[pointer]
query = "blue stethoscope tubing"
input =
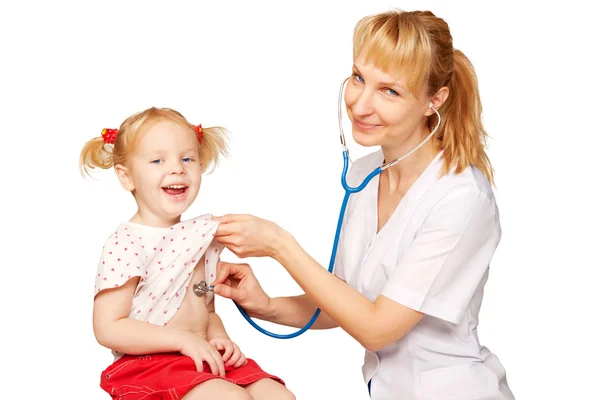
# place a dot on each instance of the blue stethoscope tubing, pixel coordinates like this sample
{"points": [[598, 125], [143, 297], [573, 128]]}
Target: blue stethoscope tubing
{"points": [[348, 191]]}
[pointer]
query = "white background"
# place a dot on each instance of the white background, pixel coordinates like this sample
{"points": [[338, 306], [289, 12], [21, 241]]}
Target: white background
{"points": [[270, 73]]}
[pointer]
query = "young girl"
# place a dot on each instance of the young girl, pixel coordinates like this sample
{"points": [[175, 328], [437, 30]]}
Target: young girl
{"points": [[168, 342]]}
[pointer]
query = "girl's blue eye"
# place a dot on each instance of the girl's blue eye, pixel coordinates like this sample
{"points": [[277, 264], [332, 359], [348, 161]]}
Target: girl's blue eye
{"points": [[157, 161], [391, 92], [358, 78], [186, 159]]}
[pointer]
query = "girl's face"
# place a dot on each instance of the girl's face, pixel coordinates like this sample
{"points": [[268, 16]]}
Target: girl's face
{"points": [[164, 172]]}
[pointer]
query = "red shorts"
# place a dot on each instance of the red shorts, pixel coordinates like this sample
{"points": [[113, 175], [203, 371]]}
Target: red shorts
{"points": [[168, 376]]}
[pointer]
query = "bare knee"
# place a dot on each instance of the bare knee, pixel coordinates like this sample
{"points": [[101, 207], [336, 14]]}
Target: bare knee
{"points": [[287, 395], [268, 389], [217, 389]]}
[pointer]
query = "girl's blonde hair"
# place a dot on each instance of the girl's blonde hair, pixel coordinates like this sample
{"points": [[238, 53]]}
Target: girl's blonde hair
{"points": [[97, 154], [419, 44]]}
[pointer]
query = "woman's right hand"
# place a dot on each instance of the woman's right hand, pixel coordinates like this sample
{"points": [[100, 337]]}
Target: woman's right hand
{"points": [[237, 282], [201, 351]]}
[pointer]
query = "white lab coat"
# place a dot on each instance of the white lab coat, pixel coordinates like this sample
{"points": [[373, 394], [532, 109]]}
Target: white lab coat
{"points": [[433, 256]]}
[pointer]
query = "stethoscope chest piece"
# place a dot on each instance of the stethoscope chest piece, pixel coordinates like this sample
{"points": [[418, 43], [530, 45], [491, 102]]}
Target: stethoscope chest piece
{"points": [[200, 289]]}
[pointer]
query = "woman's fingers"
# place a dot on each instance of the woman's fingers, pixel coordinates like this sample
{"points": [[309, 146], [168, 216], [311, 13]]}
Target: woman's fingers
{"points": [[227, 229], [228, 292], [229, 218], [227, 270]]}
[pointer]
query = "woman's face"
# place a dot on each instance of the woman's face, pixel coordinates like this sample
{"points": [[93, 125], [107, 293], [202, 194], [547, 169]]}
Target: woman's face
{"points": [[382, 110]]}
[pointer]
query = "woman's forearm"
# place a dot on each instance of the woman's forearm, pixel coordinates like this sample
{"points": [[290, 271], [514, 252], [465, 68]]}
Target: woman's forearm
{"points": [[295, 311], [354, 313]]}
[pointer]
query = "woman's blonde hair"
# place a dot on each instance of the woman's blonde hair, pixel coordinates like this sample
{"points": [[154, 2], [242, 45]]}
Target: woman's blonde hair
{"points": [[97, 154], [419, 44]]}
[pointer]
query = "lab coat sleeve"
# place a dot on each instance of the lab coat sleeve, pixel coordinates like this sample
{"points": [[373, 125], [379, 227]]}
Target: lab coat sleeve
{"points": [[441, 270]]}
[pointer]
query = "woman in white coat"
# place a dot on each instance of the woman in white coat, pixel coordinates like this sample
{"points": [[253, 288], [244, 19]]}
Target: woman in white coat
{"points": [[417, 242]]}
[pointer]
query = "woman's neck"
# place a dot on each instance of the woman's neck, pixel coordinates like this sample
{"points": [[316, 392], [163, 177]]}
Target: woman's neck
{"points": [[403, 174]]}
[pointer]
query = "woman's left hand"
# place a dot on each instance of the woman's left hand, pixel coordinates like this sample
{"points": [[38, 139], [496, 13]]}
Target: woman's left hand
{"points": [[249, 236]]}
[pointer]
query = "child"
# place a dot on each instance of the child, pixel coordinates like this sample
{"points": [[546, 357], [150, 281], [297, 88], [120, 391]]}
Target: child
{"points": [[168, 342]]}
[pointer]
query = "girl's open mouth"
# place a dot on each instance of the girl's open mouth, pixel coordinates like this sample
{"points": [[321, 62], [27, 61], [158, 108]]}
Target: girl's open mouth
{"points": [[175, 190]]}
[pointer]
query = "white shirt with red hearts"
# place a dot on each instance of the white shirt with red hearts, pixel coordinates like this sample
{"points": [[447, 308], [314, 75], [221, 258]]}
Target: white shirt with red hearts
{"points": [[164, 260]]}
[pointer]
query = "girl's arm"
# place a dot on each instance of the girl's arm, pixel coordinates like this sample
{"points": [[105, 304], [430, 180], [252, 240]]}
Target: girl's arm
{"points": [[115, 330]]}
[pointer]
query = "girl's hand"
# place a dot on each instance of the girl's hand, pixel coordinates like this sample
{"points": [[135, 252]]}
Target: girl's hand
{"points": [[201, 351], [230, 352]]}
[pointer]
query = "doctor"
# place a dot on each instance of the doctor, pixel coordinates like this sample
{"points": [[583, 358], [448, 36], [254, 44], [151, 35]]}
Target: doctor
{"points": [[417, 242]]}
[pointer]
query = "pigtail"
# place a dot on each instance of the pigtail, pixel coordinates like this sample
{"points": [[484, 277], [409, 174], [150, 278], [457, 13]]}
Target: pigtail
{"points": [[95, 154], [213, 146]]}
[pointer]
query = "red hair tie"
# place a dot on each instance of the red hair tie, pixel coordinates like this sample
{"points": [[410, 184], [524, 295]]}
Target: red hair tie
{"points": [[109, 135], [199, 133]]}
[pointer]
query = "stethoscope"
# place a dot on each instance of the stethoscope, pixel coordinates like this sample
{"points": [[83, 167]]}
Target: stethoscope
{"points": [[349, 190]]}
